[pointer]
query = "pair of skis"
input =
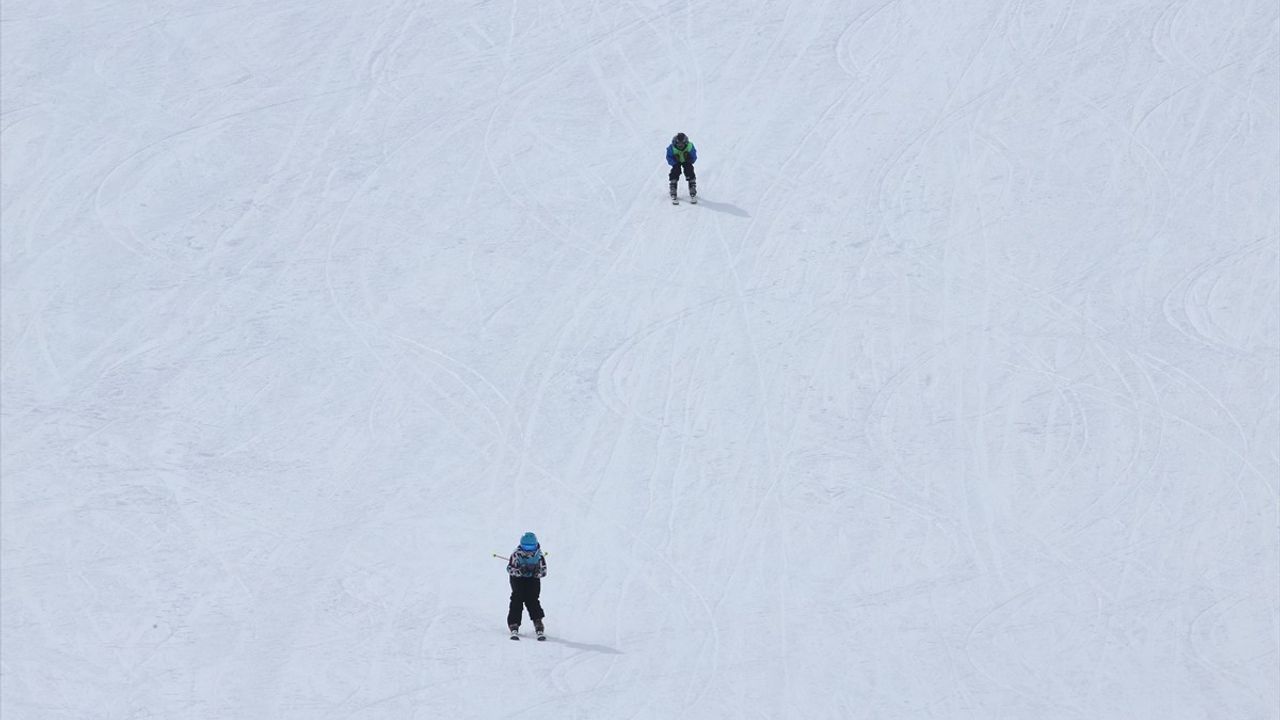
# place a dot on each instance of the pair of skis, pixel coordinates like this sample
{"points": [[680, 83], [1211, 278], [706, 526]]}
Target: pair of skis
{"points": [[692, 198], [515, 635]]}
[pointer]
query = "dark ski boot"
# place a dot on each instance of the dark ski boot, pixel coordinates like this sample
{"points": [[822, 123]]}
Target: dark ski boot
{"points": [[693, 191]]}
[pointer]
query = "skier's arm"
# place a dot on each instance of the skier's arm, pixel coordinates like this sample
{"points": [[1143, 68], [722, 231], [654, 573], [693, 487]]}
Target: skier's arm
{"points": [[542, 567], [693, 153], [671, 157]]}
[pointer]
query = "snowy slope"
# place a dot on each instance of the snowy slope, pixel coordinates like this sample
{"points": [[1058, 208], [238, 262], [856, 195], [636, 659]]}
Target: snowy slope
{"points": [[958, 396]]}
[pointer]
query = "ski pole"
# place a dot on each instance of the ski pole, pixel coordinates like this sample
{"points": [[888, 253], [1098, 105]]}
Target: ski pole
{"points": [[504, 557]]}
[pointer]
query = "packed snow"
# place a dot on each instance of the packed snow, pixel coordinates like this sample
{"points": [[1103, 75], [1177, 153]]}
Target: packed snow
{"points": [[957, 396]]}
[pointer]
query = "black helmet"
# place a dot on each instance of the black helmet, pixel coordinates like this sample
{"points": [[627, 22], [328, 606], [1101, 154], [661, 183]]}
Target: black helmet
{"points": [[680, 139]]}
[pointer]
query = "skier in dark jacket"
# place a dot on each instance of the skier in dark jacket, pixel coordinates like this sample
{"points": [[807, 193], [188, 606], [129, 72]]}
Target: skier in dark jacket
{"points": [[681, 155], [527, 566]]}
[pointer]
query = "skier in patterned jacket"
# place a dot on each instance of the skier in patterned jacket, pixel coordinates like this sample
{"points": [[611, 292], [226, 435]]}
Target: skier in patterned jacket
{"points": [[681, 155], [527, 566]]}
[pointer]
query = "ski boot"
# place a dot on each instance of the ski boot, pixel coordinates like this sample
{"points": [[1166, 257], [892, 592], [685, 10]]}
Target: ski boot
{"points": [[693, 191], [515, 631], [540, 630], [674, 201]]}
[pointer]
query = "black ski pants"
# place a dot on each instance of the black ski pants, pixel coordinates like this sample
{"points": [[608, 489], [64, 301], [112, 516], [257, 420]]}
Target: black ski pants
{"points": [[674, 175], [524, 594]]}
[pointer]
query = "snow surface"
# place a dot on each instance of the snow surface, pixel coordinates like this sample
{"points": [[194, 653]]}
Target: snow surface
{"points": [[958, 396]]}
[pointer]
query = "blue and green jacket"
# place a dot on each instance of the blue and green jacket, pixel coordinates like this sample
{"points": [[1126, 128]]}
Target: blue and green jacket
{"points": [[687, 154]]}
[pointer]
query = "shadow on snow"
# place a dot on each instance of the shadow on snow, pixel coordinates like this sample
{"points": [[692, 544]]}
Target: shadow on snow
{"points": [[585, 646], [722, 207]]}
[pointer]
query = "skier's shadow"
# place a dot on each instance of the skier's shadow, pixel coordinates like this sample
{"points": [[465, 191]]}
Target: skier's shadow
{"points": [[722, 207], [585, 646]]}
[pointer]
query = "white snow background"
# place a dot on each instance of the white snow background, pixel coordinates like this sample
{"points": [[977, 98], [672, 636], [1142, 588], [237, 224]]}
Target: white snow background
{"points": [[957, 396]]}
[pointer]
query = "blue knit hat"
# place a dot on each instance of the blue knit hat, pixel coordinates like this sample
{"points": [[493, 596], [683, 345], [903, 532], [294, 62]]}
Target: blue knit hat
{"points": [[528, 541]]}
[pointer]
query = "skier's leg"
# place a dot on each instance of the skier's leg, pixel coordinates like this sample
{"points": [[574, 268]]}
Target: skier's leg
{"points": [[531, 601], [690, 176], [515, 609], [673, 177]]}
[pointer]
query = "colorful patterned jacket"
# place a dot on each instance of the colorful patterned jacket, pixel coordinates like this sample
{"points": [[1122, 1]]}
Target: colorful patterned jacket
{"points": [[527, 563]]}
